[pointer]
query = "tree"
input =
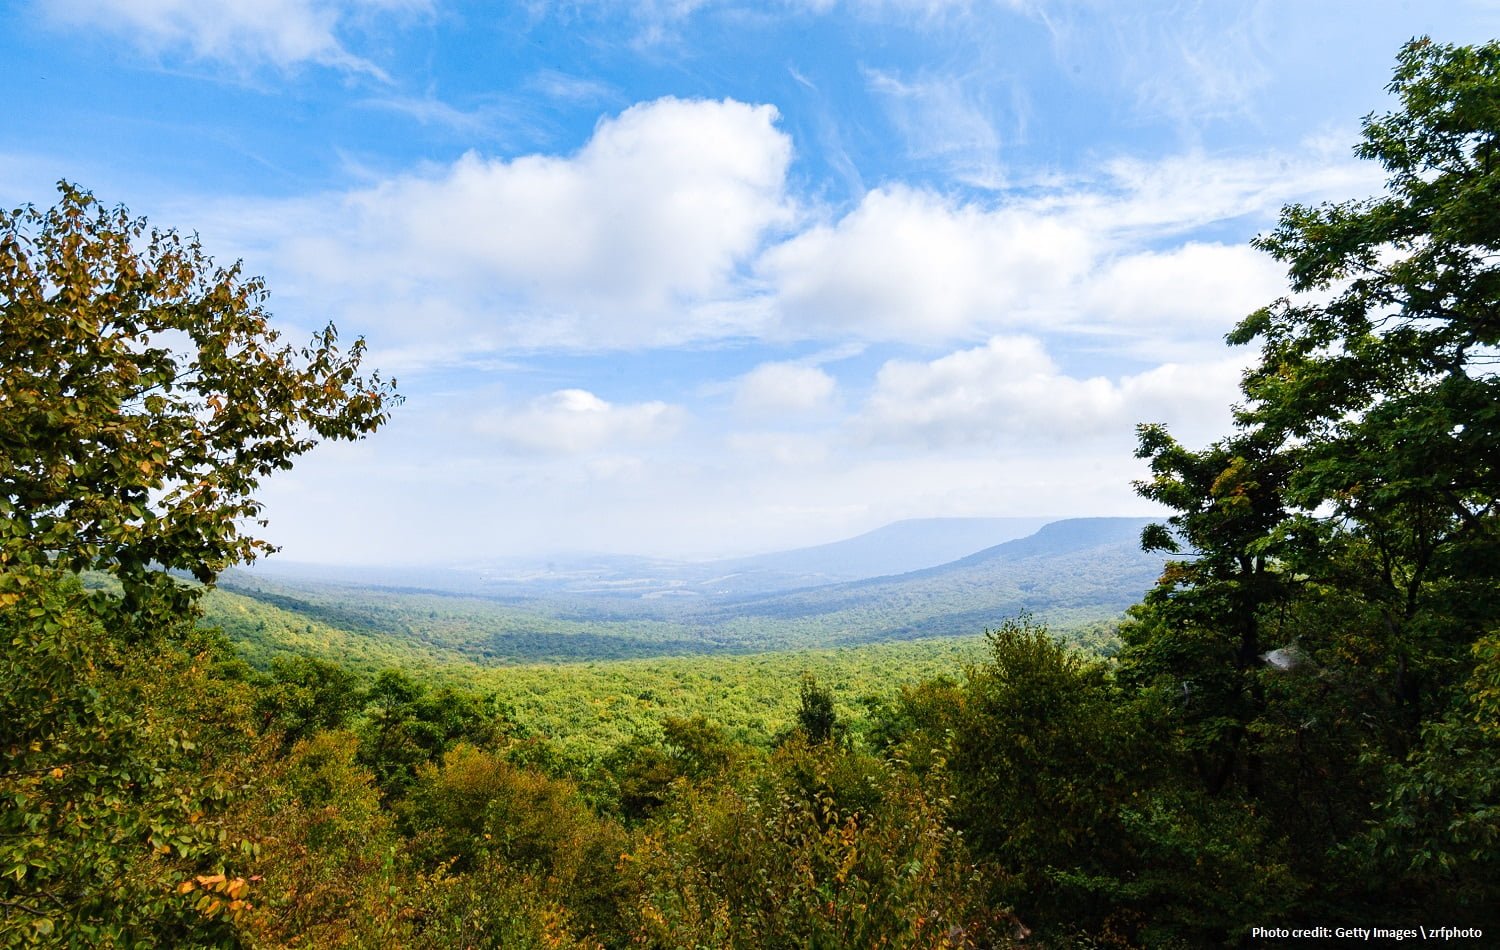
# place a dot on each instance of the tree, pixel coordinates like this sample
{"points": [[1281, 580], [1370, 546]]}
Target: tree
{"points": [[1231, 513], [1438, 823], [1043, 755], [307, 696], [1350, 522], [1382, 375], [103, 791], [815, 713], [145, 394], [819, 846], [407, 724]]}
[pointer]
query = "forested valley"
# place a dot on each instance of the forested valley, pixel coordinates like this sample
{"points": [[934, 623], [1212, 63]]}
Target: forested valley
{"points": [[1297, 725]]}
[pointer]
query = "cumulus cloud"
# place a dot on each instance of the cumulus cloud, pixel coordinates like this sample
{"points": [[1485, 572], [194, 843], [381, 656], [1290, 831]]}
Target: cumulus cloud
{"points": [[783, 387], [577, 422], [909, 264], [638, 237], [1194, 399], [1118, 252], [1210, 285], [282, 33], [660, 204], [1011, 387], [673, 223]]}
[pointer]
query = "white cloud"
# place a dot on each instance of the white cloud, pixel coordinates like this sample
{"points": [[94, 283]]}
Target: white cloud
{"points": [[558, 85], [659, 21], [1118, 254], [783, 387], [282, 33], [1011, 388], [1194, 400], [1177, 193], [488, 120], [908, 264], [928, 10], [1209, 285], [661, 230], [577, 422], [942, 118], [1183, 61], [639, 237], [784, 449], [660, 204]]}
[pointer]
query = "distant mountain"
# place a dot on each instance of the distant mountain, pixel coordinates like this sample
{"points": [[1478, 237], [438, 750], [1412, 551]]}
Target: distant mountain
{"points": [[1073, 571], [896, 548], [1071, 574], [1071, 536], [893, 549]]}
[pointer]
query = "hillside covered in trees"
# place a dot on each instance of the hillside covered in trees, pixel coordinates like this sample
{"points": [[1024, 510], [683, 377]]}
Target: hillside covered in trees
{"points": [[1301, 724], [1075, 574]]}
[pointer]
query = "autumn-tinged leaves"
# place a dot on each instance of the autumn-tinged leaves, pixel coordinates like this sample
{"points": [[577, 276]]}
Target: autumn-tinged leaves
{"points": [[145, 395]]}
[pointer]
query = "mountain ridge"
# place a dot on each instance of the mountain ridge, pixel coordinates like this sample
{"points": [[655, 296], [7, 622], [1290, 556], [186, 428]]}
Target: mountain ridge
{"points": [[1075, 574]]}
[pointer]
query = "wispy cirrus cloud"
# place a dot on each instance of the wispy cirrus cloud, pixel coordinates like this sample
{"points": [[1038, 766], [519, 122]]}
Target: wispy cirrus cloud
{"points": [[280, 33], [947, 120], [1185, 61], [492, 119], [558, 85]]}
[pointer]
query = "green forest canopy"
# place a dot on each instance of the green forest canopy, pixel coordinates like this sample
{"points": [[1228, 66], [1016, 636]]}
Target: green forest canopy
{"points": [[1303, 724]]}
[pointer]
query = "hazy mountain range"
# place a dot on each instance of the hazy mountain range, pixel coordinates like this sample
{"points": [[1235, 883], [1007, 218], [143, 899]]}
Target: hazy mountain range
{"points": [[896, 548], [1071, 573]]}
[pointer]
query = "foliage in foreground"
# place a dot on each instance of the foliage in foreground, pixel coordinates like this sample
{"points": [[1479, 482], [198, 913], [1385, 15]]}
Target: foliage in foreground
{"points": [[1300, 727]]}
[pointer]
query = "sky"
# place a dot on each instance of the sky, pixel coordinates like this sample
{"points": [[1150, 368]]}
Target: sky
{"points": [[694, 278]]}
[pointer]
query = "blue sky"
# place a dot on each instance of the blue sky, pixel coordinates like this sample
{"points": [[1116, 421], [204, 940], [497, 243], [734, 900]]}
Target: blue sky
{"points": [[692, 277]]}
